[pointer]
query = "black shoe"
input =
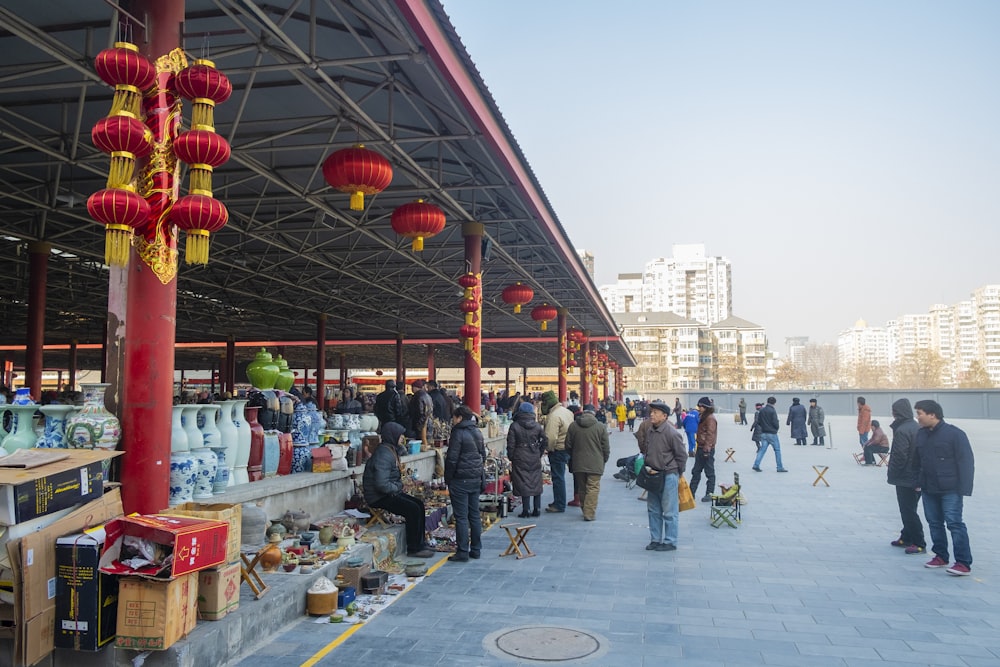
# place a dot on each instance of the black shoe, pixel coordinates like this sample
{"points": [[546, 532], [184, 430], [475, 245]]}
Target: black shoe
{"points": [[524, 515], [652, 546], [459, 558], [756, 469], [474, 555], [423, 553], [707, 498], [553, 508], [665, 547], [536, 513]]}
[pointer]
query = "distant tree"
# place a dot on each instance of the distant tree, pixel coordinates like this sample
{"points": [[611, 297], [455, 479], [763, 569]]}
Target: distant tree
{"points": [[871, 376], [787, 376], [975, 377], [920, 369], [731, 373], [818, 366]]}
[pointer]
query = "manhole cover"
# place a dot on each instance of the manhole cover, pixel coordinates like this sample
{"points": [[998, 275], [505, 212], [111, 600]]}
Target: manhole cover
{"points": [[545, 643]]}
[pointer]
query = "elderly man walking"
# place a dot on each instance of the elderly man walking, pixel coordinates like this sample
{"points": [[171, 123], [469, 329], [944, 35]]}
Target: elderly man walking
{"points": [[589, 450]]}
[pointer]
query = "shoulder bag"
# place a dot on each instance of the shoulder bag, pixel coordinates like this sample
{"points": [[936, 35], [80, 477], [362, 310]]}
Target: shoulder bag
{"points": [[650, 479]]}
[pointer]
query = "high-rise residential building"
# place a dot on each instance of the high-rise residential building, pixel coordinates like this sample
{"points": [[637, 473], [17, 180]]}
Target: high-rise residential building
{"points": [[943, 340], [625, 296], [966, 346], [587, 258], [863, 346], [739, 355], [795, 347], [987, 300]]}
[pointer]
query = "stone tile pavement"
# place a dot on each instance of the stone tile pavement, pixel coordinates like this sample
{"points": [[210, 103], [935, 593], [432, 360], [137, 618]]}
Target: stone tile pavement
{"points": [[809, 578]]}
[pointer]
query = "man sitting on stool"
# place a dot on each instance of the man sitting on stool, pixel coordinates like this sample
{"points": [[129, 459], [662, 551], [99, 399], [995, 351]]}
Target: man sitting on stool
{"points": [[877, 444], [383, 488]]}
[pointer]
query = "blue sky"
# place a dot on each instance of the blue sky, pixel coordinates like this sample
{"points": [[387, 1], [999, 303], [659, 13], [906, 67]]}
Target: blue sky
{"points": [[845, 156]]}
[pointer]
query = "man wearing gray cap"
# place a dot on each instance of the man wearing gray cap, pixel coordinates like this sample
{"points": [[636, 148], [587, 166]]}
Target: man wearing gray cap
{"points": [[665, 452]]}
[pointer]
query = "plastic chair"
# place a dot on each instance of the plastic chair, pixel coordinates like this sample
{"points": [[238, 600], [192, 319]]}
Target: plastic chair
{"points": [[725, 508]]}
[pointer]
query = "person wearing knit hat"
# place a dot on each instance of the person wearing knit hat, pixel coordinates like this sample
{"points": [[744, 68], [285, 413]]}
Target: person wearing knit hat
{"points": [[549, 401], [526, 407], [704, 456], [526, 444], [797, 418], [558, 419]]}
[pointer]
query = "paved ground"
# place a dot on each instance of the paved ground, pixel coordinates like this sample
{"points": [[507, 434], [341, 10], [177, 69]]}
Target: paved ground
{"points": [[809, 579]]}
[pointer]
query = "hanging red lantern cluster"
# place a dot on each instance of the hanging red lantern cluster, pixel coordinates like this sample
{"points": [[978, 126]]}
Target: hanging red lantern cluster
{"points": [[469, 307], [469, 333], [357, 171], [517, 295], [470, 304], [418, 220], [468, 282], [123, 136], [544, 313], [198, 213]]}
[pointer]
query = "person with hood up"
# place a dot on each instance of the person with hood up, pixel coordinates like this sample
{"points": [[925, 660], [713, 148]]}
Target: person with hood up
{"points": [[704, 456], [382, 484], [691, 429], [526, 444], [621, 413], [903, 469], [797, 420], [587, 443], [877, 444], [463, 473], [389, 406]]}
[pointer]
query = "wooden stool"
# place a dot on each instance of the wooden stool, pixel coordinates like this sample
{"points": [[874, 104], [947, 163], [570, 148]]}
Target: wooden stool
{"points": [[729, 455], [821, 470], [883, 459], [859, 458], [249, 574], [517, 540], [377, 518]]}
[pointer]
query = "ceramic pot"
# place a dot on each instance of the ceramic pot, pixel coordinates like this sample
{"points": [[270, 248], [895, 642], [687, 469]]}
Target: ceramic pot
{"points": [[22, 396], [335, 422], [183, 470], [296, 521], [253, 524], [301, 425], [369, 423], [221, 472], [189, 419], [210, 434], [276, 528], [228, 437], [262, 371], [178, 436], [301, 459], [255, 459], [326, 534], [272, 454], [54, 435], [286, 412], [286, 452], [207, 465], [286, 378], [270, 556], [318, 423], [243, 436], [22, 430], [93, 426]]}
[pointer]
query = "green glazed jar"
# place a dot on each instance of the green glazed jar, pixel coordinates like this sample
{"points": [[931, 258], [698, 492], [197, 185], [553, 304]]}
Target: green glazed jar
{"points": [[286, 378], [263, 371]]}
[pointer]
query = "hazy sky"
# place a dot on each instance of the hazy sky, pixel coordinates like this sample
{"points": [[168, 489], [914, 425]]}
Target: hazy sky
{"points": [[844, 155]]}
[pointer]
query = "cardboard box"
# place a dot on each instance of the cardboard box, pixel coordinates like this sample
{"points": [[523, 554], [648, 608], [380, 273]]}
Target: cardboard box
{"points": [[195, 544], [231, 514], [218, 591], [33, 560], [152, 615], [27, 493], [352, 575], [86, 599]]}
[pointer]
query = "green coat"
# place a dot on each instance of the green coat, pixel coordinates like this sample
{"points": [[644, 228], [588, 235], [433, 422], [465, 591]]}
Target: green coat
{"points": [[587, 444]]}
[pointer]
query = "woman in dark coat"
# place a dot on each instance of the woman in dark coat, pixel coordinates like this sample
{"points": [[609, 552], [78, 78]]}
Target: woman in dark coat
{"points": [[463, 472], [797, 420], [526, 444]]}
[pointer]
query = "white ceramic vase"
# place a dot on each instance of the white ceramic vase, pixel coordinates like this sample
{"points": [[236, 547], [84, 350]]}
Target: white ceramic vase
{"points": [[242, 424], [178, 436], [189, 419], [229, 436], [210, 435], [93, 427]]}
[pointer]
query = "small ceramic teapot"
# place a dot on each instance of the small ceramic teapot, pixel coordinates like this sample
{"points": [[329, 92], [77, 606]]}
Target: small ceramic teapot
{"points": [[296, 521], [277, 528]]}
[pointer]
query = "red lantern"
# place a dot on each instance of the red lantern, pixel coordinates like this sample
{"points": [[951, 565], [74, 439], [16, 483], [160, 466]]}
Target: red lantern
{"points": [[129, 72], [492, 373], [205, 86], [518, 295], [468, 282], [120, 211], [203, 151], [468, 306], [124, 138], [199, 216], [378, 373], [418, 220], [469, 333], [543, 314], [359, 172]]}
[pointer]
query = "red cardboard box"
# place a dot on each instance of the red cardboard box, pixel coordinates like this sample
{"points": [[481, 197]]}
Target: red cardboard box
{"points": [[194, 543]]}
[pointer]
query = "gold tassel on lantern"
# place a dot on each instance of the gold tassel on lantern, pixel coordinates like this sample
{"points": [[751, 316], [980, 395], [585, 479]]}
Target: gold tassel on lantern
{"points": [[196, 247], [121, 171], [517, 308], [357, 201], [203, 114], [117, 242], [545, 325], [201, 179], [418, 244], [127, 99]]}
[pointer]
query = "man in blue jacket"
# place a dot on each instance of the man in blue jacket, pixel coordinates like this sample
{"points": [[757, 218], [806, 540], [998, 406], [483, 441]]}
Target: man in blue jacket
{"points": [[946, 472]]}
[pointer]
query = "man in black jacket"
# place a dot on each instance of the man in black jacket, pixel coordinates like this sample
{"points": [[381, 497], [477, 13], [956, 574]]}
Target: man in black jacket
{"points": [[389, 406], [768, 423], [903, 469]]}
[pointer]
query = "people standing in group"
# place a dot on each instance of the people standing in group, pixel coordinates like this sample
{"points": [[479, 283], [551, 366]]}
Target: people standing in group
{"points": [[864, 420], [817, 423], [663, 448], [678, 411], [463, 473], [439, 399], [382, 484], [558, 419], [621, 414], [904, 468], [797, 420], [390, 407], [690, 423], [947, 469], [589, 448], [526, 443], [767, 421], [755, 426], [704, 457], [421, 411], [743, 412], [878, 443]]}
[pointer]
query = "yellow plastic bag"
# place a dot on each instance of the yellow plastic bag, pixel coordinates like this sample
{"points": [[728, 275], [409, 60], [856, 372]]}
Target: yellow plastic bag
{"points": [[684, 496]]}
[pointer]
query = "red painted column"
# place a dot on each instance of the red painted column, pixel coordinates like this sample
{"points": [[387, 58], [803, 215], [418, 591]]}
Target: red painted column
{"points": [[38, 267], [431, 371], [473, 233], [585, 370], [563, 370], [151, 314], [400, 369], [320, 392]]}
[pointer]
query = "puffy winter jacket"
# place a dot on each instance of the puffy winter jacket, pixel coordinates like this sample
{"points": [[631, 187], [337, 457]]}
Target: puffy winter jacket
{"points": [[946, 461], [466, 452], [904, 465], [382, 477]]}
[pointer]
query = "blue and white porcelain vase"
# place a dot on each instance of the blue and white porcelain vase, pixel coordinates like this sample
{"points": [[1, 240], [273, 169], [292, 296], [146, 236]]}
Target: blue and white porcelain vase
{"points": [[221, 472], [206, 465], [183, 470], [243, 437], [93, 427], [229, 435], [318, 423], [301, 425], [54, 436], [189, 419], [301, 459], [210, 434], [22, 396]]}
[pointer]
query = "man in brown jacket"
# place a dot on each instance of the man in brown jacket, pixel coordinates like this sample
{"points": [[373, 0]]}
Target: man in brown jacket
{"points": [[704, 455]]}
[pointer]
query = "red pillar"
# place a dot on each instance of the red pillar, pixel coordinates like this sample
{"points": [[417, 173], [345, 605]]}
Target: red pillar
{"points": [[38, 267], [585, 370], [400, 369], [71, 380], [320, 392], [151, 314], [563, 370], [431, 371], [473, 233]]}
